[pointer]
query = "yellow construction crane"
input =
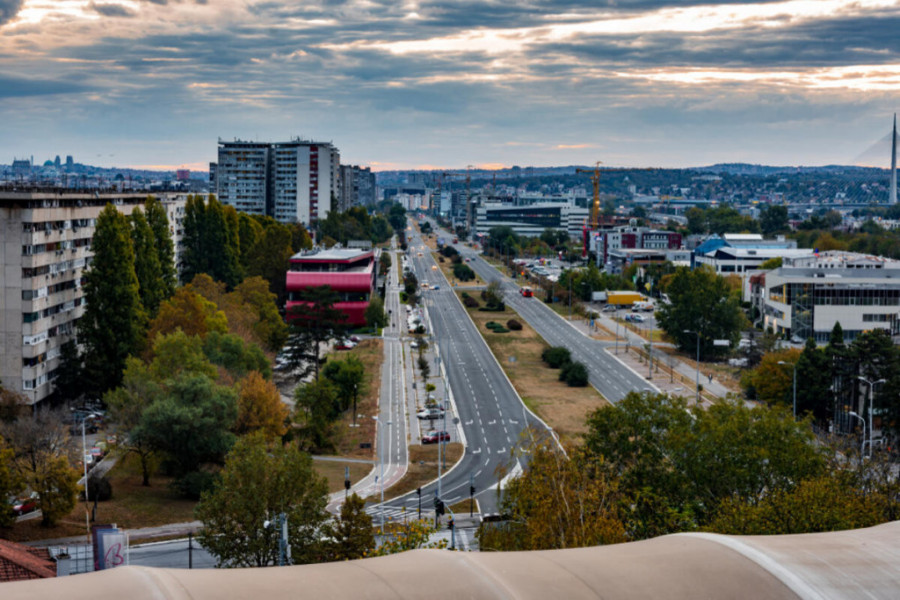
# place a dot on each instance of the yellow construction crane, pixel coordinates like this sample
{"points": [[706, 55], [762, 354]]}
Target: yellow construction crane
{"points": [[595, 179]]}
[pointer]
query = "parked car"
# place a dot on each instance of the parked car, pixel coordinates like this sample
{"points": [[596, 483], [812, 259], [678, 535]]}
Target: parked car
{"points": [[609, 308], [435, 436], [345, 345], [25, 505], [430, 413], [635, 318]]}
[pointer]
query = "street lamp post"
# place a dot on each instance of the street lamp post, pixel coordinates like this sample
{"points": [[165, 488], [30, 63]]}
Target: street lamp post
{"points": [[794, 365], [872, 385], [697, 383], [381, 468], [863, 421]]}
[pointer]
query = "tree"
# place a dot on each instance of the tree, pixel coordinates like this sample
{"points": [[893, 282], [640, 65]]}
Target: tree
{"points": [[397, 217], [10, 482], [146, 263], [772, 380], [178, 353], [676, 464], [701, 304], [211, 241], [162, 241], [384, 263], [313, 322], [351, 536], [270, 258], [774, 219], [56, 484], [254, 297], [260, 408], [261, 480], [772, 263], [814, 382], [235, 355], [191, 425], [424, 366], [348, 377], [300, 238], [127, 405], [317, 406], [575, 374], [463, 272], [69, 382], [112, 327], [189, 312], [375, 315], [558, 502]]}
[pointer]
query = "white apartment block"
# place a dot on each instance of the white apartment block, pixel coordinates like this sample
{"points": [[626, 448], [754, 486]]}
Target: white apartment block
{"points": [[291, 181], [45, 246]]}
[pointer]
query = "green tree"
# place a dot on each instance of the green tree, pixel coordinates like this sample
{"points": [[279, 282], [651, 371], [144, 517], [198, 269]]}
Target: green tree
{"points": [[250, 230], [178, 353], [211, 241], [189, 312], [260, 481], [317, 406], [463, 272], [254, 297], [348, 377], [113, 324], [151, 287], [676, 463], [384, 263], [270, 258], [127, 405], [235, 355], [701, 304], [313, 323], [192, 424], [300, 238], [772, 380], [351, 536], [814, 382], [69, 382], [165, 247], [410, 535], [774, 219], [195, 255], [397, 217], [375, 315]]}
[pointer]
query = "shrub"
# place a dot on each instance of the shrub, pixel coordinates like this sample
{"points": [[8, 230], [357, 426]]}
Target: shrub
{"points": [[491, 324], [575, 374], [456, 260], [193, 484], [556, 357], [463, 272], [514, 325], [501, 329], [470, 302]]}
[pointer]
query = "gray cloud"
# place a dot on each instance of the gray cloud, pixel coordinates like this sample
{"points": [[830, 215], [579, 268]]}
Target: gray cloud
{"points": [[9, 9], [112, 10], [12, 86]]}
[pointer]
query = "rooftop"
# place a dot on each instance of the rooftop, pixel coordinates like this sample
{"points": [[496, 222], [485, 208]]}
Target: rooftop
{"points": [[331, 254], [19, 562]]}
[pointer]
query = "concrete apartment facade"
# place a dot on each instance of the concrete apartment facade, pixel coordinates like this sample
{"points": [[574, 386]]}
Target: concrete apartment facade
{"points": [[46, 247], [290, 181]]}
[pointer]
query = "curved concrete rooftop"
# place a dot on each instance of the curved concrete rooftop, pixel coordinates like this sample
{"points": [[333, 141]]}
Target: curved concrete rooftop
{"points": [[862, 563]]}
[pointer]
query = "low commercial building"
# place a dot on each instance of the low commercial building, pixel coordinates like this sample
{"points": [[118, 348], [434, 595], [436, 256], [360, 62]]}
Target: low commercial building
{"points": [[348, 271], [806, 302], [615, 246], [533, 219]]}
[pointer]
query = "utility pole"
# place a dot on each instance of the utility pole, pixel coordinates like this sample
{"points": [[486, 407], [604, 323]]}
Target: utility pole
{"points": [[190, 550]]}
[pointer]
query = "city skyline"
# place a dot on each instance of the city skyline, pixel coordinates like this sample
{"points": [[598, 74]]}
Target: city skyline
{"points": [[155, 83]]}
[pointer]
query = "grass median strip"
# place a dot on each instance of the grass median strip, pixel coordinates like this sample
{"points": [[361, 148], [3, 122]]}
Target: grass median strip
{"points": [[519, 353], [423, 468]]}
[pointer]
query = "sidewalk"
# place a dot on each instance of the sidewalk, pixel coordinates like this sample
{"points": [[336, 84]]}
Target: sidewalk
{"points": [[630, 345]]}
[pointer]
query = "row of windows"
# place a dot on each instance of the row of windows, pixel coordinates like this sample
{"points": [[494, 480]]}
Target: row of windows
{"points": [[49, 312], [31, 384], [58, 247], [342, 296], [43, 292], [42, 357], [58, 225], [834, 296]]}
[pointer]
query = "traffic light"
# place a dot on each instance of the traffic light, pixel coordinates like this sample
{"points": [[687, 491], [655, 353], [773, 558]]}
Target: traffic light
{"points": [[450, 523], [438, 506]]}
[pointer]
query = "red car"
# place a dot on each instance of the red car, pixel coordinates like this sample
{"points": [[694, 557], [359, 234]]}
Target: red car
{"points": [[21, 506], [435, 436]]}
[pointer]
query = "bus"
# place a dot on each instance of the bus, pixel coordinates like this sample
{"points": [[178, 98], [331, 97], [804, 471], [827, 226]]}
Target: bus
{"points": [[527, 292]]}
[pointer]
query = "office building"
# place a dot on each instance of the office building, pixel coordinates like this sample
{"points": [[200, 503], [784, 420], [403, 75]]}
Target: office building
{"points": [[348, 271], [531, 220], [806, 301], [357, 187], [46, 246]]}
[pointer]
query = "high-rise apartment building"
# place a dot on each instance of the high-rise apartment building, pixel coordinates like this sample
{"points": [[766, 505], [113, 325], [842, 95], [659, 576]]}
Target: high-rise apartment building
{"points": [[45, 246], [290, 181], [357, 187]]}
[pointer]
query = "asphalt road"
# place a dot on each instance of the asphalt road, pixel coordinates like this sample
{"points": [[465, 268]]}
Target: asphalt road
{"points": [[491, 414], [611, 377]]}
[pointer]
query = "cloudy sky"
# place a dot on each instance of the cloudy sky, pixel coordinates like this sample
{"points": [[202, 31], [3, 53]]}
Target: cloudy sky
{"points": [[410, 84]]}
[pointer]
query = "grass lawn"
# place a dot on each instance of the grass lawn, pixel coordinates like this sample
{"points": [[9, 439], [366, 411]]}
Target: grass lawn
{"points": [[348, 439], [333, 471], [423, 467], [519, 352]]}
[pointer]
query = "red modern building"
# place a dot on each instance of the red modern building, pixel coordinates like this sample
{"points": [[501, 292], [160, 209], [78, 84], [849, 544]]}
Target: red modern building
{"points": [[348, 271]]}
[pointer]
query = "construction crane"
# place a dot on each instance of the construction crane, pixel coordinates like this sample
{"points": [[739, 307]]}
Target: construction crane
{"points": [[595, 179]]}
